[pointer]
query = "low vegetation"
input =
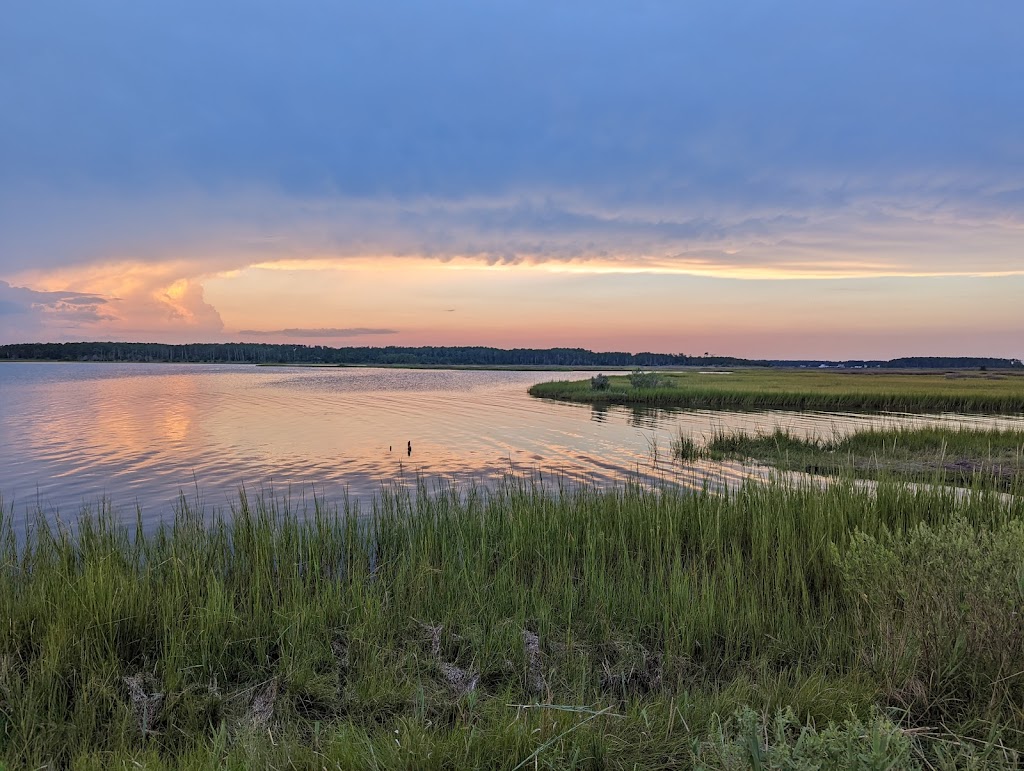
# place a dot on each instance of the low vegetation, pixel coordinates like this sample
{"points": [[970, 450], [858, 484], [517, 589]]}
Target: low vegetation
{"points": [[959, 455], [832, 390], [778, 626]]}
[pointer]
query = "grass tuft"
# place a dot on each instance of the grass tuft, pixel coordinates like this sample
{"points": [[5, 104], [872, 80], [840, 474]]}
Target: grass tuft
{"points": [[686, 448]]}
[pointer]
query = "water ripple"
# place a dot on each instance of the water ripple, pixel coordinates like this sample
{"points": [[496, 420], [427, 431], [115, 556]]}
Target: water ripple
{"points": [[145, 434]]}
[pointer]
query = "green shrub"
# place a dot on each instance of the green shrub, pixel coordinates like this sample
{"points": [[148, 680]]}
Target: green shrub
{"points": [[748, 741], [600, 383], [640, 379], [939, 611]]}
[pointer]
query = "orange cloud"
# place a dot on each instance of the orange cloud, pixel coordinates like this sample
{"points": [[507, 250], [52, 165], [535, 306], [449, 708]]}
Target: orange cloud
{"points": [[155, 300]]}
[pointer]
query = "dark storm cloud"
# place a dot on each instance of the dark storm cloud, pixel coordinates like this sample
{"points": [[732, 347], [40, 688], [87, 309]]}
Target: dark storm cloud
{"points": [[643, 125]]}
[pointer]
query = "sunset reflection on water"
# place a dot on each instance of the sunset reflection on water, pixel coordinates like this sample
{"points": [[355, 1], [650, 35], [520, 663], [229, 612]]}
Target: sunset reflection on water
{"points": [[139, 434]]}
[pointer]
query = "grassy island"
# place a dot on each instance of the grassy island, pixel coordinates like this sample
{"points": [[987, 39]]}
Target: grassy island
{"points": [[848, 390], [931, 454], [779, 626]]}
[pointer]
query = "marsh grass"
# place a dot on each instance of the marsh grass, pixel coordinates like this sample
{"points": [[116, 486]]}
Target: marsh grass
{"points": [[686, 448], [518, 628], [806, 390], [959, 455]]}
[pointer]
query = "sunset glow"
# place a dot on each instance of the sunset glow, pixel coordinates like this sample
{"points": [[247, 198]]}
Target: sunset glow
{"points": [[850, 208]]}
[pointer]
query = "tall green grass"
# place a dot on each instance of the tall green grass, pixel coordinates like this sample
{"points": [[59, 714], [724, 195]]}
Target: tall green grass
{"points": [[518, 628], [931, 453]]}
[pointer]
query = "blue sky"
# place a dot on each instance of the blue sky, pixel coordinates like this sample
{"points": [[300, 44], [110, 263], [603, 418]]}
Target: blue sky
{"points": [[164, 159]]}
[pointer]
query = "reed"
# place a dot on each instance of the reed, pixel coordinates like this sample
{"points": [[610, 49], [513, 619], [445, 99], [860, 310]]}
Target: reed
{"points": [[521, 627]]}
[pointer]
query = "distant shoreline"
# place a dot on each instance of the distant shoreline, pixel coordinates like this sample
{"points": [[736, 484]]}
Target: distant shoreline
{"points": [[459, 357], [303, 365], [667, 369]]}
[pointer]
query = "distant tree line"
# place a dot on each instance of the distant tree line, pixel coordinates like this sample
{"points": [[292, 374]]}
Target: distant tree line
{"points": [[276, 353]]}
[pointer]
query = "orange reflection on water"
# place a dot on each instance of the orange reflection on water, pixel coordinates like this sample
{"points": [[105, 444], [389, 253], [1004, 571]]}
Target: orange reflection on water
{"points": [[75, 432]]}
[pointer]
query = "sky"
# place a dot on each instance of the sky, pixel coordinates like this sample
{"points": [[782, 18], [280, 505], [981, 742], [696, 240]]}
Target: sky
{"points": [[762, 179]]}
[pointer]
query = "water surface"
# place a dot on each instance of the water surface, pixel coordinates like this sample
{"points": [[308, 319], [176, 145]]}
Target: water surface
{"points": [[141, 434]]}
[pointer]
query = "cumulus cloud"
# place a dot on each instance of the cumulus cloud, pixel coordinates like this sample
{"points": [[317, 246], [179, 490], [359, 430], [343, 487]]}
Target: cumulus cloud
{"points": [[146, 303]]}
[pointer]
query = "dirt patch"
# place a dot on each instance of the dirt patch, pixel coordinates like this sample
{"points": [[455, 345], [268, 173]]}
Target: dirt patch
{"points": [[433, 633], [146, 701], [262, 710], [967, 467], [628, 672], [340, 651], [534, 669], [459, 680]]}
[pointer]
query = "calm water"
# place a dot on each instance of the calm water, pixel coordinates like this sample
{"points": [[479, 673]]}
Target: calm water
{"points": [[71, 434]]}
